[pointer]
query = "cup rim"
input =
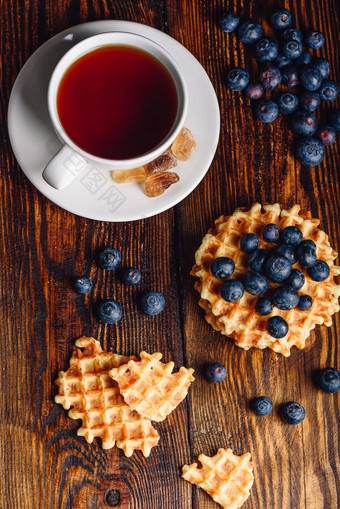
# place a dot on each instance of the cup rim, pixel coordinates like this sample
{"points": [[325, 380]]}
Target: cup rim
{"points": [[173, 69]]}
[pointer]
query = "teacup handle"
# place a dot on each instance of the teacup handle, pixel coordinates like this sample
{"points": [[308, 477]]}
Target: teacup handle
{"points": [[64, 167]]}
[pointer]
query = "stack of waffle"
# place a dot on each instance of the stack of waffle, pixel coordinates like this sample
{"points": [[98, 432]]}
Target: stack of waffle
{"points": [[239, 320], [116, 397]]}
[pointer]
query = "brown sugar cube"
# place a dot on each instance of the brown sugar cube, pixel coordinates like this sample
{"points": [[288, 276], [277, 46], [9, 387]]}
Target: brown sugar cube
{"points": [[125, 176], [156, 184], [164, 162], [184, 145]]}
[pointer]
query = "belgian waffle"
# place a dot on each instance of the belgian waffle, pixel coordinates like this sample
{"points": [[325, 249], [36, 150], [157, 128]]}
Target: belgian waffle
{"points": [[239, 320], [149, 386], [226, 477], [94, 397]]}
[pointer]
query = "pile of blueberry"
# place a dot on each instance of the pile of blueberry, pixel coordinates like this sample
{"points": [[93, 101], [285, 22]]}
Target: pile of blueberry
{"points": [[111, 311], [275, 266], [327, 379], [290, 65]]}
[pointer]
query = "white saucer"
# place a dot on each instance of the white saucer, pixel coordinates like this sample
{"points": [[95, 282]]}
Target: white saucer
{"points": [[93, 194]]}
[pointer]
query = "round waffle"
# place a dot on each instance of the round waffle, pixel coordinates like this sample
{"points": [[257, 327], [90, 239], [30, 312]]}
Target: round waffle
{"points": [[239, 320]]}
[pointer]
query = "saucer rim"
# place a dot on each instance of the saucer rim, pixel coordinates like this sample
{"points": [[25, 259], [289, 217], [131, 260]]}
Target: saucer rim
{"points": [[93, 216]]}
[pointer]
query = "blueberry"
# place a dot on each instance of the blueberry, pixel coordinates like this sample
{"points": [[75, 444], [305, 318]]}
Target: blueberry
{"points": [[310, 243], [285, 297], [280, 18], [257, 259], [277, 327], [238, 79], [310, 151], [232, 290], [292, 413], [250, 31], [288, 252], [254, 283], [296, 279], [310, 77], [282, 61], [287, 103], [334, 119], [249, 242], [305, 303], [131, 276], [267, 49], [270, 77], [310, 101], [291, 235], [108, 258], [215, 372], [264, 306], [315, 40], [306, 254], [319, 271], [230, 22], [329, 91], [152, 303], [271, 232], [278, 268], [267, 111], [292, 49], [261, 405], [326, 134], [292, 34], [254, 91], [222, 267], [328, 380], [322, 65], [304, 123], [81, 284], [109, 311], [290, 76], [304, 59]]}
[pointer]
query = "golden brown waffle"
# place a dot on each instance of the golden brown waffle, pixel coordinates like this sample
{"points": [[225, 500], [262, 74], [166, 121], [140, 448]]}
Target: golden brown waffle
{"points": [[150, 387], [226, 477], [95, 399], [239, 320]]}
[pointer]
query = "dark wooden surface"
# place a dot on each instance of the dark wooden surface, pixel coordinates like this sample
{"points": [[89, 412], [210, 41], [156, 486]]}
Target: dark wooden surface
{"points": [[43, 464]]}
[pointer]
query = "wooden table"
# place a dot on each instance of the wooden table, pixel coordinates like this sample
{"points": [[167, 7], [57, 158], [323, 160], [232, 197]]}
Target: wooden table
{"points": [[44, 464]]}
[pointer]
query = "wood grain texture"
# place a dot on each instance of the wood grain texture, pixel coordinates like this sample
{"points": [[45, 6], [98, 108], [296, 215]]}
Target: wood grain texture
{"points": [[43, 464]]}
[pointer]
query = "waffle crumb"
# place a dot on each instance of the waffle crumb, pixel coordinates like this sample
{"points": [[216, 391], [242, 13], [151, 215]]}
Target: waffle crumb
{"points": [[150, 387], [226, 477]]}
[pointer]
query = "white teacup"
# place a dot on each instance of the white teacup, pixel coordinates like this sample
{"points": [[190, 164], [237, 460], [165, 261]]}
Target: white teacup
{"points": [[71, 159]]}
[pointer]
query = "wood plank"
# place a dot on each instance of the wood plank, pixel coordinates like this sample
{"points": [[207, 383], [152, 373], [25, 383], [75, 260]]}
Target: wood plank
{"points": [[42, 317], [295, 467]]}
